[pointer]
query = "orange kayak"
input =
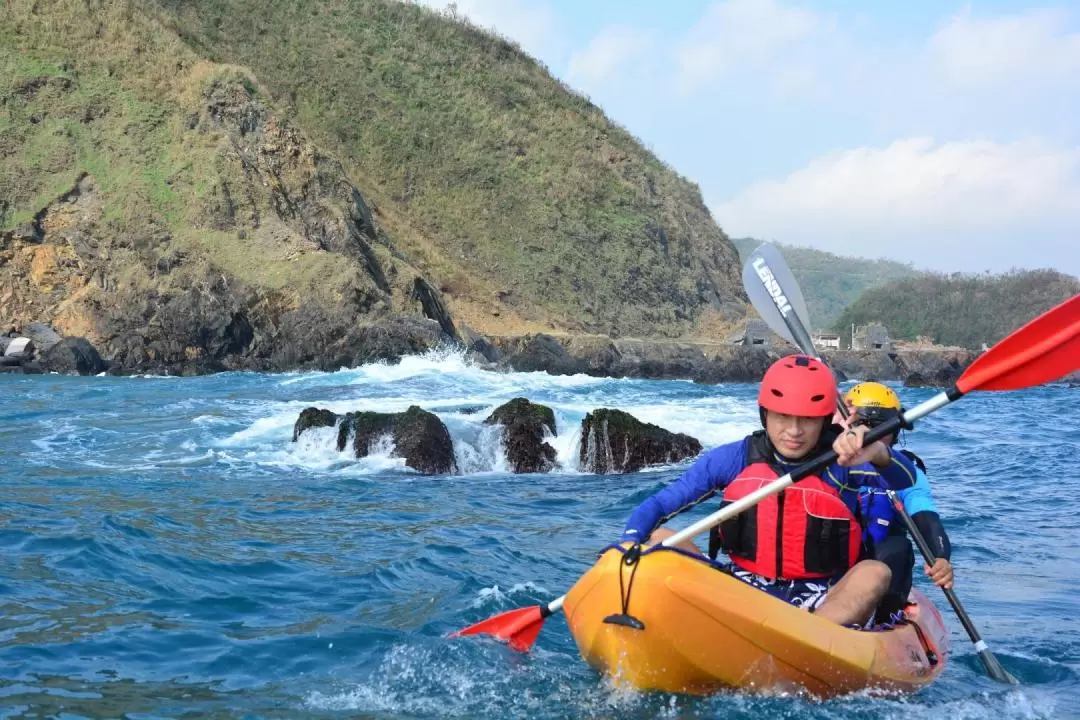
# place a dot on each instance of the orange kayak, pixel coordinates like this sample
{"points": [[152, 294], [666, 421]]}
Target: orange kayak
{"points": [[705, 631]]}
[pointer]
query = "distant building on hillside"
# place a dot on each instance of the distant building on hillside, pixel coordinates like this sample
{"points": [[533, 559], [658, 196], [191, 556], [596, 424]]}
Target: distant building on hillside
{"points": [[757, 332], [826, 340], [870, 337]]}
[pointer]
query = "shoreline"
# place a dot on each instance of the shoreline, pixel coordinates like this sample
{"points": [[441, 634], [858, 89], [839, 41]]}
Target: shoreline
{"points": [[593, 355]]}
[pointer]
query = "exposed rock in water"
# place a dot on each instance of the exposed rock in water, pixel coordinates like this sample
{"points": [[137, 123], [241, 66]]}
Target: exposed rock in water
{"points": [[523, 434], [601, 356], [419, 436], [313, 417], [73, 356], [613, 441]]}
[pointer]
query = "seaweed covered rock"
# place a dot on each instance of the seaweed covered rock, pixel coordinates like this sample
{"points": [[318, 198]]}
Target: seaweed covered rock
{"points": [[524, 424], [313, 417], [417, 435], [613, 441]]}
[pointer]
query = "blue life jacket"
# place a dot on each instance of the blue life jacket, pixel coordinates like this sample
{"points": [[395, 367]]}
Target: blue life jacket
{"points": [[881, 518]]}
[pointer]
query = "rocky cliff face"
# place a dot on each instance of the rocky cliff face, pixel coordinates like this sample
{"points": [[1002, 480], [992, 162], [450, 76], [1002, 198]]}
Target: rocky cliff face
{"points": [[277, 263], [323, 204], [308, 205]]}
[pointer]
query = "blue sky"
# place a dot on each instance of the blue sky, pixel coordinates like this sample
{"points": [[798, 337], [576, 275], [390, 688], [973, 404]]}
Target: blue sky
{"points": [[939, 133]]}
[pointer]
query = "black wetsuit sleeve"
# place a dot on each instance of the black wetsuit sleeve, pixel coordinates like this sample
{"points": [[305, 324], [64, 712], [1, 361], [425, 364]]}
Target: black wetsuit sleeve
{"points": [[929, 524]]}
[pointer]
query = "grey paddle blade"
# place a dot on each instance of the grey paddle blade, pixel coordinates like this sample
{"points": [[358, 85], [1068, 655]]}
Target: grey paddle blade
{"points": [[776, 296]]}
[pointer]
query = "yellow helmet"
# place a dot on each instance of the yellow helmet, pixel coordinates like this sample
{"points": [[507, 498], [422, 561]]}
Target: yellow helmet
{"points": [[872, 394]]}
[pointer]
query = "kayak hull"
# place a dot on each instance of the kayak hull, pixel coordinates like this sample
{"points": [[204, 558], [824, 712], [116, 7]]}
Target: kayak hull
{"points": [[705, 631]]}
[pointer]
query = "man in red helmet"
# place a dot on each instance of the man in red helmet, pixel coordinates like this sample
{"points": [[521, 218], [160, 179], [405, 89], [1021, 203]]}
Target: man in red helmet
{"points": [[803, 544]]}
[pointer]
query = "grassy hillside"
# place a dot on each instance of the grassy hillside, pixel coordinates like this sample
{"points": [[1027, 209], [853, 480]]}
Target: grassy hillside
{"points": [[515, 197], [109, 145], [958, 309], [831, 282], [494, 179]]}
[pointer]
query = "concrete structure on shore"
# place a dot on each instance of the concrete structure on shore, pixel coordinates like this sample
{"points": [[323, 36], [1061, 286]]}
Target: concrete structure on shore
{"points": [[826, 340], [757, 333], [870, 337]]}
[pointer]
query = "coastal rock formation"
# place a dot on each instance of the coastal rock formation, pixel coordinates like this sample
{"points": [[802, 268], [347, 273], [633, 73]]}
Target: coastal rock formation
{"points": [[613, 441], [709, 363], [417, 435], [524, 426], [38, 348], [278, 264], [73, 356], [313, 417]]}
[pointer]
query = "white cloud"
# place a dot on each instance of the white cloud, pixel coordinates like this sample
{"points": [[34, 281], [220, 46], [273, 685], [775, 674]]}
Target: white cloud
{"points": [[532, 25], [925, 202], [611, 50], [1007, 50], [739, 33]]}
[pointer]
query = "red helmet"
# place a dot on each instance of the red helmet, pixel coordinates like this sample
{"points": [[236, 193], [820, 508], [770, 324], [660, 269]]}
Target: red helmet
{"points": [[798, 385]]}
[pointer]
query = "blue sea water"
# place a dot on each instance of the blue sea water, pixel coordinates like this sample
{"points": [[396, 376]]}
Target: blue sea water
{"points": [[167, 551]]}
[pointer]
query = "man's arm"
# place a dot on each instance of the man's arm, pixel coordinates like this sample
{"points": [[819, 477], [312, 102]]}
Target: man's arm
{"points": [[708, 475]]}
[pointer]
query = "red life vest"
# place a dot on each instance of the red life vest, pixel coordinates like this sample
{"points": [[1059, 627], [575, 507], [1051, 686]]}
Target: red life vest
{"points": [[804, 532]]}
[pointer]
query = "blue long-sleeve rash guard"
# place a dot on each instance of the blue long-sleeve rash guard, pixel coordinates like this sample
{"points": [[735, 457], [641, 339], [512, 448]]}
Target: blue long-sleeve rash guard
{"points": [[714, 470]]}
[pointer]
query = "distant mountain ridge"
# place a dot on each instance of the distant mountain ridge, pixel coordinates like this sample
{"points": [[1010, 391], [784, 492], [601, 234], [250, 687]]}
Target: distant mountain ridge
{"points": [[830, 283], [960, 309]]}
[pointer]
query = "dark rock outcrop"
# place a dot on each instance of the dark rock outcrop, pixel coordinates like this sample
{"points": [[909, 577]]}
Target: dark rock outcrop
{"points": [[613, 441], [73, 356], [294, 274], [44, 337], [523, 435], [708, 362], [418, 436], [604, 357], [545, 353], [479, 348], [921, 370], [313, 417], [434, 308], [943, 378]]}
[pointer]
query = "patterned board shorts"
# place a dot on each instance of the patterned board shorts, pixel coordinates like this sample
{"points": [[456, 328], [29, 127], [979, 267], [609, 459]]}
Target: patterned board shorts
{"points": [[804, 594]]}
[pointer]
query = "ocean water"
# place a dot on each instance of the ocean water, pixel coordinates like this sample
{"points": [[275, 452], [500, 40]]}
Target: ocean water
{"points": [[167, 551]]}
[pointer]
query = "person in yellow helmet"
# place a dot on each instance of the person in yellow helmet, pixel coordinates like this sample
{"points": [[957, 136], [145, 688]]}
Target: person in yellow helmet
{"points": [[871, 403]]}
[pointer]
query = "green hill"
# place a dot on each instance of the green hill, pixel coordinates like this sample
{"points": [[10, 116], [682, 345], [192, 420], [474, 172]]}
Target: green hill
{"points": [[330, 164], [831, 282], [492, 175], [960, 309]]}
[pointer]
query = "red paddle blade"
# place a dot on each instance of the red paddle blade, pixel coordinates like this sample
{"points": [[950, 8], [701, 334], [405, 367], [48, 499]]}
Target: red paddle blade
{"points": [[518, 627], [1045, 349]]}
